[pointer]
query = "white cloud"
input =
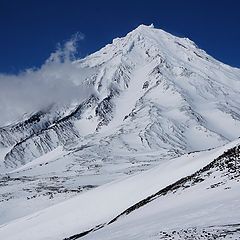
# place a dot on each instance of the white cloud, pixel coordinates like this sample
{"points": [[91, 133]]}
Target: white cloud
{"points": [[58, 80]]}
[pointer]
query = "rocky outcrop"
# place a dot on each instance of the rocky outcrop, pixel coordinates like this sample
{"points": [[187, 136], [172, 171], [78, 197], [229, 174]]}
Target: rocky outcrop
{"points": [[42, 143]]}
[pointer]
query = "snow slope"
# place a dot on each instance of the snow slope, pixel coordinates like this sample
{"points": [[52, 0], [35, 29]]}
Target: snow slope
{"points": [[204, 207], [101, 205]]}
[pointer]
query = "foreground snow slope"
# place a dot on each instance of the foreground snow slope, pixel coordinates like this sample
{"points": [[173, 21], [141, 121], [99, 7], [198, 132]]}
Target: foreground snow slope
{"points": [[203, 206], [102, 204]]}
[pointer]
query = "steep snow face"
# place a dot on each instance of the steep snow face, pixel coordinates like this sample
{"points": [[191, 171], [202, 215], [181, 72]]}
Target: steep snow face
{"points": [[156, 97]]}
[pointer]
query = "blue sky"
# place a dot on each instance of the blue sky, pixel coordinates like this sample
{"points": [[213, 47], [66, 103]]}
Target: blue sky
{"points": [[30, 30]]}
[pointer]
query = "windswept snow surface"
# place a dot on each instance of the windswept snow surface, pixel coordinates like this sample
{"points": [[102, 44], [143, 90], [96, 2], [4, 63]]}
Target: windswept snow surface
{"points": [[205, 205], [104, 203]]}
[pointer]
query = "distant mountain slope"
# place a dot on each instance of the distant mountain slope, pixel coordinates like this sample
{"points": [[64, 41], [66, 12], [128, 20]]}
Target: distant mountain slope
{"points": [[149, 84]]}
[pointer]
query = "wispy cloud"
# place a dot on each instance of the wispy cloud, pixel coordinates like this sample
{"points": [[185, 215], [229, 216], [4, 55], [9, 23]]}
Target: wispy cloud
{"points": [[58, 80]]}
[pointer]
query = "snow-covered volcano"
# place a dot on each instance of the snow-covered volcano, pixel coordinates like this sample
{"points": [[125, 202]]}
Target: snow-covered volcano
{"points": [[155, 97]]}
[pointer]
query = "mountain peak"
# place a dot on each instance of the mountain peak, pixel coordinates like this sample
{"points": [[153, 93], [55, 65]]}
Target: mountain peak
{"points": [[144, 26], [159, 34]]}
